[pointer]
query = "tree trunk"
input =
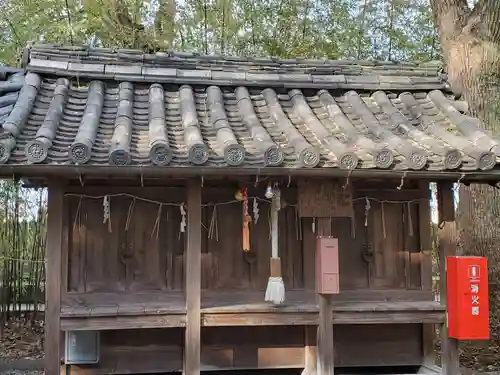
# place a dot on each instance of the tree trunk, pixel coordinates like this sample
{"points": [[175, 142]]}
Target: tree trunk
{"points": [[470, 40]]}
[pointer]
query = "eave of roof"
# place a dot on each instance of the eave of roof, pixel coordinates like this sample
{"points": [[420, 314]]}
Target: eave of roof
{"points": [[120, 113]]}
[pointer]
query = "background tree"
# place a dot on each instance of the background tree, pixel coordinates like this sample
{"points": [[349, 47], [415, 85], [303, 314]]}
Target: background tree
{"points": [[470, 38]]}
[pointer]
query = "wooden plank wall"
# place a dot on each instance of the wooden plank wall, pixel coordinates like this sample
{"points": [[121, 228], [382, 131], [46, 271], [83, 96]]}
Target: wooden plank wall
{"points": [[138, 257], [160, 350]]}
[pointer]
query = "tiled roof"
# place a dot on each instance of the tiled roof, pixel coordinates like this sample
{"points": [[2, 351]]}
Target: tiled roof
{"points": [[113, 108], [11, 82]]}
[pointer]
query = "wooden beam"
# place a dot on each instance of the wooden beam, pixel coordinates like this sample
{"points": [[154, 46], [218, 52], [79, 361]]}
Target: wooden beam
{"points": [[123, 322], [447, 246], [53, 255], [325, 348], [192, 344], [311, 319]]}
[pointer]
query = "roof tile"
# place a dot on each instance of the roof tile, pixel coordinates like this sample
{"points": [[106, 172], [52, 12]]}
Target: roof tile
{"points": [[329, 78], [49, 64], [253, 77], [229, 76], [270, 112], [86, 68], [158, 72], [199, 74], [123, 69]]}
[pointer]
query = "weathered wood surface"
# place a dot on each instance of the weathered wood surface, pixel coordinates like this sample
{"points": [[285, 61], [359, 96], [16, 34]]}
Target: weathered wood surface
{"points": [[192, 338], [144, 257], [448, 237], [324, 199], [230, 348], [53, 281], [110, 304], [326, 345], [425, 221], [126, 322], [100, 304], [126, 311]]}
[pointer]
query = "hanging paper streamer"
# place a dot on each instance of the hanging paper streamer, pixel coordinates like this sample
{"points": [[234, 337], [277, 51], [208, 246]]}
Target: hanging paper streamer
{"points": [[255, 211], [277, 194], [107, 212], [183, 218], [105, 208], [367, 210], [246, 221], [269, 192]]}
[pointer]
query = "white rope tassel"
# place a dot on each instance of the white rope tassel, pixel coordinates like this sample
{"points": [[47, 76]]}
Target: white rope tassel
{"points": [[275, 291]]}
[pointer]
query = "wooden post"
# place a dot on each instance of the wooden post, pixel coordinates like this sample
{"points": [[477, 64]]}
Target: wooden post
{"points": [[424, 215], [310, 351], [447, 246], [53, 258], [192, 345], [325, 329]]}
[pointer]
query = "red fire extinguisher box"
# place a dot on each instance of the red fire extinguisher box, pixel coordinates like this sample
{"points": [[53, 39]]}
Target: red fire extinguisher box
{"points": [[467, 293]]}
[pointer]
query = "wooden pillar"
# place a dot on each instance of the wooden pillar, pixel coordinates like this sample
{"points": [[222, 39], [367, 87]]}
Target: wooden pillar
{"points": [[53, 258], [325, 329], [310, 350], [192, 344], [447, 246], [424, 215]]}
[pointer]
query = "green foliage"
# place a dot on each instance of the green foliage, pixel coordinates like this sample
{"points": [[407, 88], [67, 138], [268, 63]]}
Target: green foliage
{"points": [[22, 244], [335, 29]]}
